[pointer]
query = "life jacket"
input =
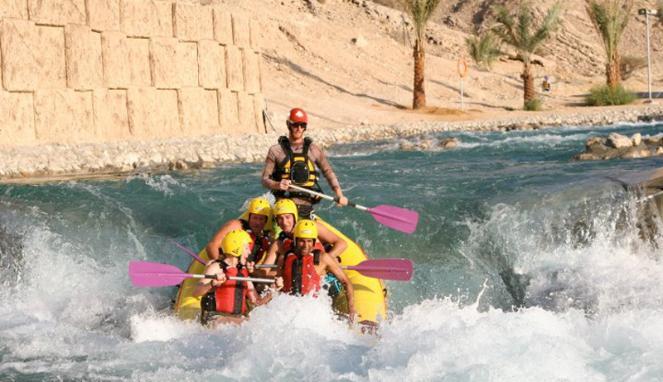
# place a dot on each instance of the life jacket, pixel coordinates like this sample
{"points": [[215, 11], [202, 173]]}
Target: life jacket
{"points": [[230, 297], [260, 243], [299, 169], [299, 274], [287, 244]]}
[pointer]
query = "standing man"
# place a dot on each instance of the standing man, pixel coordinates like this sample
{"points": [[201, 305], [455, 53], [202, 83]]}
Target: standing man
{"points": [[296, 160]]}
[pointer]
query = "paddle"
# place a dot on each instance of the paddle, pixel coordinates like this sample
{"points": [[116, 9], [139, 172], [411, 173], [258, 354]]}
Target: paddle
{"points": [[400, 219], [148, 274], [386, 269], [189, 252]]}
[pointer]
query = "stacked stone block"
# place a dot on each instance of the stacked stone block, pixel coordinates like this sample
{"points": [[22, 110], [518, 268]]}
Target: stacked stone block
{"points": [[102, 70]]}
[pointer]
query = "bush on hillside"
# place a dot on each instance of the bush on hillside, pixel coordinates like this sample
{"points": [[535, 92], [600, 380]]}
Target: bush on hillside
{"points": [[533, 105], [604, 95], [484, 49]]}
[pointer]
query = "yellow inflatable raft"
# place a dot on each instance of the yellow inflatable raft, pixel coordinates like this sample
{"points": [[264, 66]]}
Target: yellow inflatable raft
{"points": [[370, 294]]}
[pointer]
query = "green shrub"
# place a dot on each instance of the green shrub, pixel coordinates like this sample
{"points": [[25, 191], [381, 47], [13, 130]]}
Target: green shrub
{"points": [[533, 105], [484, 49], [603, 95]]}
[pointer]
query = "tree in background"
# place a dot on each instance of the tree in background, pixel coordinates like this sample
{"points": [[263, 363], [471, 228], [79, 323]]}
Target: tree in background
{"points": [[519, 30], [660, 10], [484, 48], [420, 12], [610, 18]]}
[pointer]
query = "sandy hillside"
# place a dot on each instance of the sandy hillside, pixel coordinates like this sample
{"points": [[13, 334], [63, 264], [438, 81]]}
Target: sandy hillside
{"points": [[349, 61]]}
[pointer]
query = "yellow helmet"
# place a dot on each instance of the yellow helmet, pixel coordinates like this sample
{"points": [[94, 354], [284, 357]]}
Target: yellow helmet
{"points": [[235, 242], [260, 206], [306, 229], [285, 206]]}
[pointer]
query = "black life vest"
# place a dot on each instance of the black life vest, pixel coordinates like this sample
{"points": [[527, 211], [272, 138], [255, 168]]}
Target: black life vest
{"points": [[261, 242], [287, 244], [299, 169]]}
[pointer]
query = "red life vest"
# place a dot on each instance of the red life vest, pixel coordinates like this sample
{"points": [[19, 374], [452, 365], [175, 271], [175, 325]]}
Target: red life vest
{"points": [[230, 297], [299, 274]]}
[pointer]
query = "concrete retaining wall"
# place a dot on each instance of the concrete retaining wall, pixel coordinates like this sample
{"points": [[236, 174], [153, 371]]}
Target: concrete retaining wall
{"points": [[77, 71]]}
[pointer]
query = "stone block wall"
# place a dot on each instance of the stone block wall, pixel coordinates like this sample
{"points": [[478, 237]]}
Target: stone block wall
{"points": [[75, 71]]}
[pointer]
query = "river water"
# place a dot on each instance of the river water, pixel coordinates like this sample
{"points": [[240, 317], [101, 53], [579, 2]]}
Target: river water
{"points": [[529, 266]]}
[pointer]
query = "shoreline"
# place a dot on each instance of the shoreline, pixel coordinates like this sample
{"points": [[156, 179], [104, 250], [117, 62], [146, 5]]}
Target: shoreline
{"points": [[58, 162]]}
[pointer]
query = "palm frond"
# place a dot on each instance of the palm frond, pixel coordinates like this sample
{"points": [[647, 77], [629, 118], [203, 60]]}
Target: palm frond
{"points": [[610, 19], [524, 24], [506, 26], [484, 48], [420, 11], [518, 29], [550, 23]]}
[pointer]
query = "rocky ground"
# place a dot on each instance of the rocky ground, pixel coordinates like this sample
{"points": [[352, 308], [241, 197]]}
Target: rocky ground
{"points": [[619, 146], [105, 159]]}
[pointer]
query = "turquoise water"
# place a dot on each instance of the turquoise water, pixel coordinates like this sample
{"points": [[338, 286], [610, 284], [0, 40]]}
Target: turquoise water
{"points": [[528, 266]]}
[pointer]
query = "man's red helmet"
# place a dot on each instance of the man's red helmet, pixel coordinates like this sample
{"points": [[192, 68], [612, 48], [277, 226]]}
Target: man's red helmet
{"points": [[297, 115]]}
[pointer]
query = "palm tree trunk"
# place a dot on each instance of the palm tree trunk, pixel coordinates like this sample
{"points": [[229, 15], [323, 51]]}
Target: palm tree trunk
{"points": [[528, 83], [613, 76], [419, 94]]}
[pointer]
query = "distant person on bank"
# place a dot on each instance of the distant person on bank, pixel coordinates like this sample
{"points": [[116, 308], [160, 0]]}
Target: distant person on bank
{"points": [[546, 86], [296, 160]]}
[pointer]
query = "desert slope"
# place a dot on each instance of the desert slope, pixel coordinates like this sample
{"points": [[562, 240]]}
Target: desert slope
{"points": [[349, 61]]}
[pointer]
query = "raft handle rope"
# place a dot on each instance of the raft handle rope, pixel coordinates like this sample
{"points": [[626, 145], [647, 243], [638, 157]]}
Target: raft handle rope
{"points": [[266, 118]]}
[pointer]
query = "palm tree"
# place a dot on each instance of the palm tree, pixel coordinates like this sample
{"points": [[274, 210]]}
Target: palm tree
{"points": [[420, 12], [610, 18], [519, 31]]}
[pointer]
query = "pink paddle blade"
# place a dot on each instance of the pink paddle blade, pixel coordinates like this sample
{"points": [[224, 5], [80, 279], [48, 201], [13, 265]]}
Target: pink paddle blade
{"points": [[400, 219], [146, 274], [386, 269]]}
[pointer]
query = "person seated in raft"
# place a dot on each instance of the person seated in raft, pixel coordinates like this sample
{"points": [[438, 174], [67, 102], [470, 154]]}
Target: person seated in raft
{"points": [[305, 265], [259, 213], [225, 301], [285, 213], [286, 216]]}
